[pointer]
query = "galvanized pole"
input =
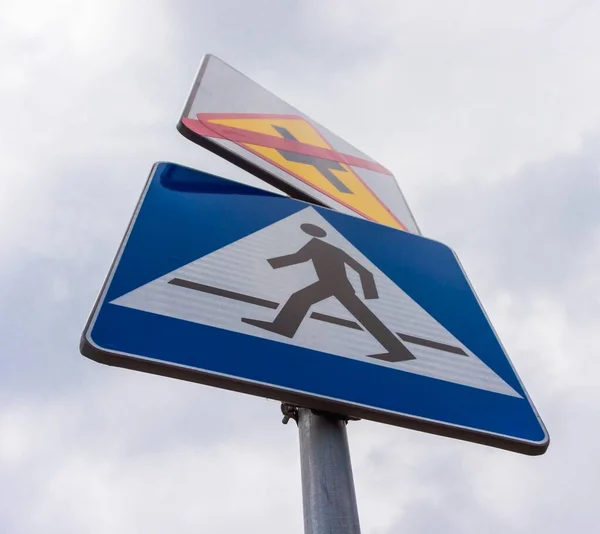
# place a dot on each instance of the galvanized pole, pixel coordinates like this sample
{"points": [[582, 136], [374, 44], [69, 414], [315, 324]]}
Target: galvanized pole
{"points": [[328, 495]]}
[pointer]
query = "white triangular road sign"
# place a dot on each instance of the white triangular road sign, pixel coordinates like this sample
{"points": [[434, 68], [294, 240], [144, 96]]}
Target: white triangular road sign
{"points": [[236, 282]]}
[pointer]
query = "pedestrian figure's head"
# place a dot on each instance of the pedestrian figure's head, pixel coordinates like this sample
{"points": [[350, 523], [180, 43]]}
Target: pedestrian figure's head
{"points": [[313, 230]]}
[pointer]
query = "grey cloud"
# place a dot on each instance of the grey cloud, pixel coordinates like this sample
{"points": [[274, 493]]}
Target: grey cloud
{"points": [[530, 232]]}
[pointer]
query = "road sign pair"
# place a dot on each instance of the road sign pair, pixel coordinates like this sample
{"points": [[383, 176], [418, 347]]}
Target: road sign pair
{"points": [[229, 285]]}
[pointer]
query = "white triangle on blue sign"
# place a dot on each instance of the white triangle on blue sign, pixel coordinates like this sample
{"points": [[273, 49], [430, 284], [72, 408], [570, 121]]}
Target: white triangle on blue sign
{"points": [[236, 283]]}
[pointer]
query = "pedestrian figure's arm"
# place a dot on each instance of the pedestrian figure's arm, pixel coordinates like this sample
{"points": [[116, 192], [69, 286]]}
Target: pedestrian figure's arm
{"points": [[366, 279], [291, 259]]}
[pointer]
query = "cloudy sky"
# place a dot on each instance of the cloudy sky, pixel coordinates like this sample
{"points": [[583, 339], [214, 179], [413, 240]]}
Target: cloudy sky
{"points": [[489, 115]]}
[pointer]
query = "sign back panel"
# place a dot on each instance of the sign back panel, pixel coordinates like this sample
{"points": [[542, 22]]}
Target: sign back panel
{"points": [[229, 285], [241, 121]]}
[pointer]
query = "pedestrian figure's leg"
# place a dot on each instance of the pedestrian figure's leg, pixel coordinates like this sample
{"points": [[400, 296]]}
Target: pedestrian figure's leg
{"points": [[294, 311], [397, 352]]}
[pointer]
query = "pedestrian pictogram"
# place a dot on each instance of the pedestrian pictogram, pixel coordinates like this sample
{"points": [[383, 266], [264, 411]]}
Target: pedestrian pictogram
{"points": [[330, 264]]}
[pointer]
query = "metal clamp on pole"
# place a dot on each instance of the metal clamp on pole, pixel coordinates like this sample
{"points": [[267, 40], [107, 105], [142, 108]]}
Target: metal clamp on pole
{"points": [[289, 411]]}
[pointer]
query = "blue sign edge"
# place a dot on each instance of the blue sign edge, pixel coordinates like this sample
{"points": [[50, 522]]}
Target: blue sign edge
{"points": [[306, 399]]}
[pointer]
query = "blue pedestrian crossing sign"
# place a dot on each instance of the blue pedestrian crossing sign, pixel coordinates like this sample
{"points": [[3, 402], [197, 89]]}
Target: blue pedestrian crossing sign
{"points": [[232, 286]]}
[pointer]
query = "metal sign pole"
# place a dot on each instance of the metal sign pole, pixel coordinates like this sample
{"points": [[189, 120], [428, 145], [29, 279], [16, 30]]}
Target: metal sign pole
{"points": [[328, 495]]}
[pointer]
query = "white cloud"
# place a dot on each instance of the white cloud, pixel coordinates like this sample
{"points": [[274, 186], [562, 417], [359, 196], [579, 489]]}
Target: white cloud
{"points": [[448, 92]]}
